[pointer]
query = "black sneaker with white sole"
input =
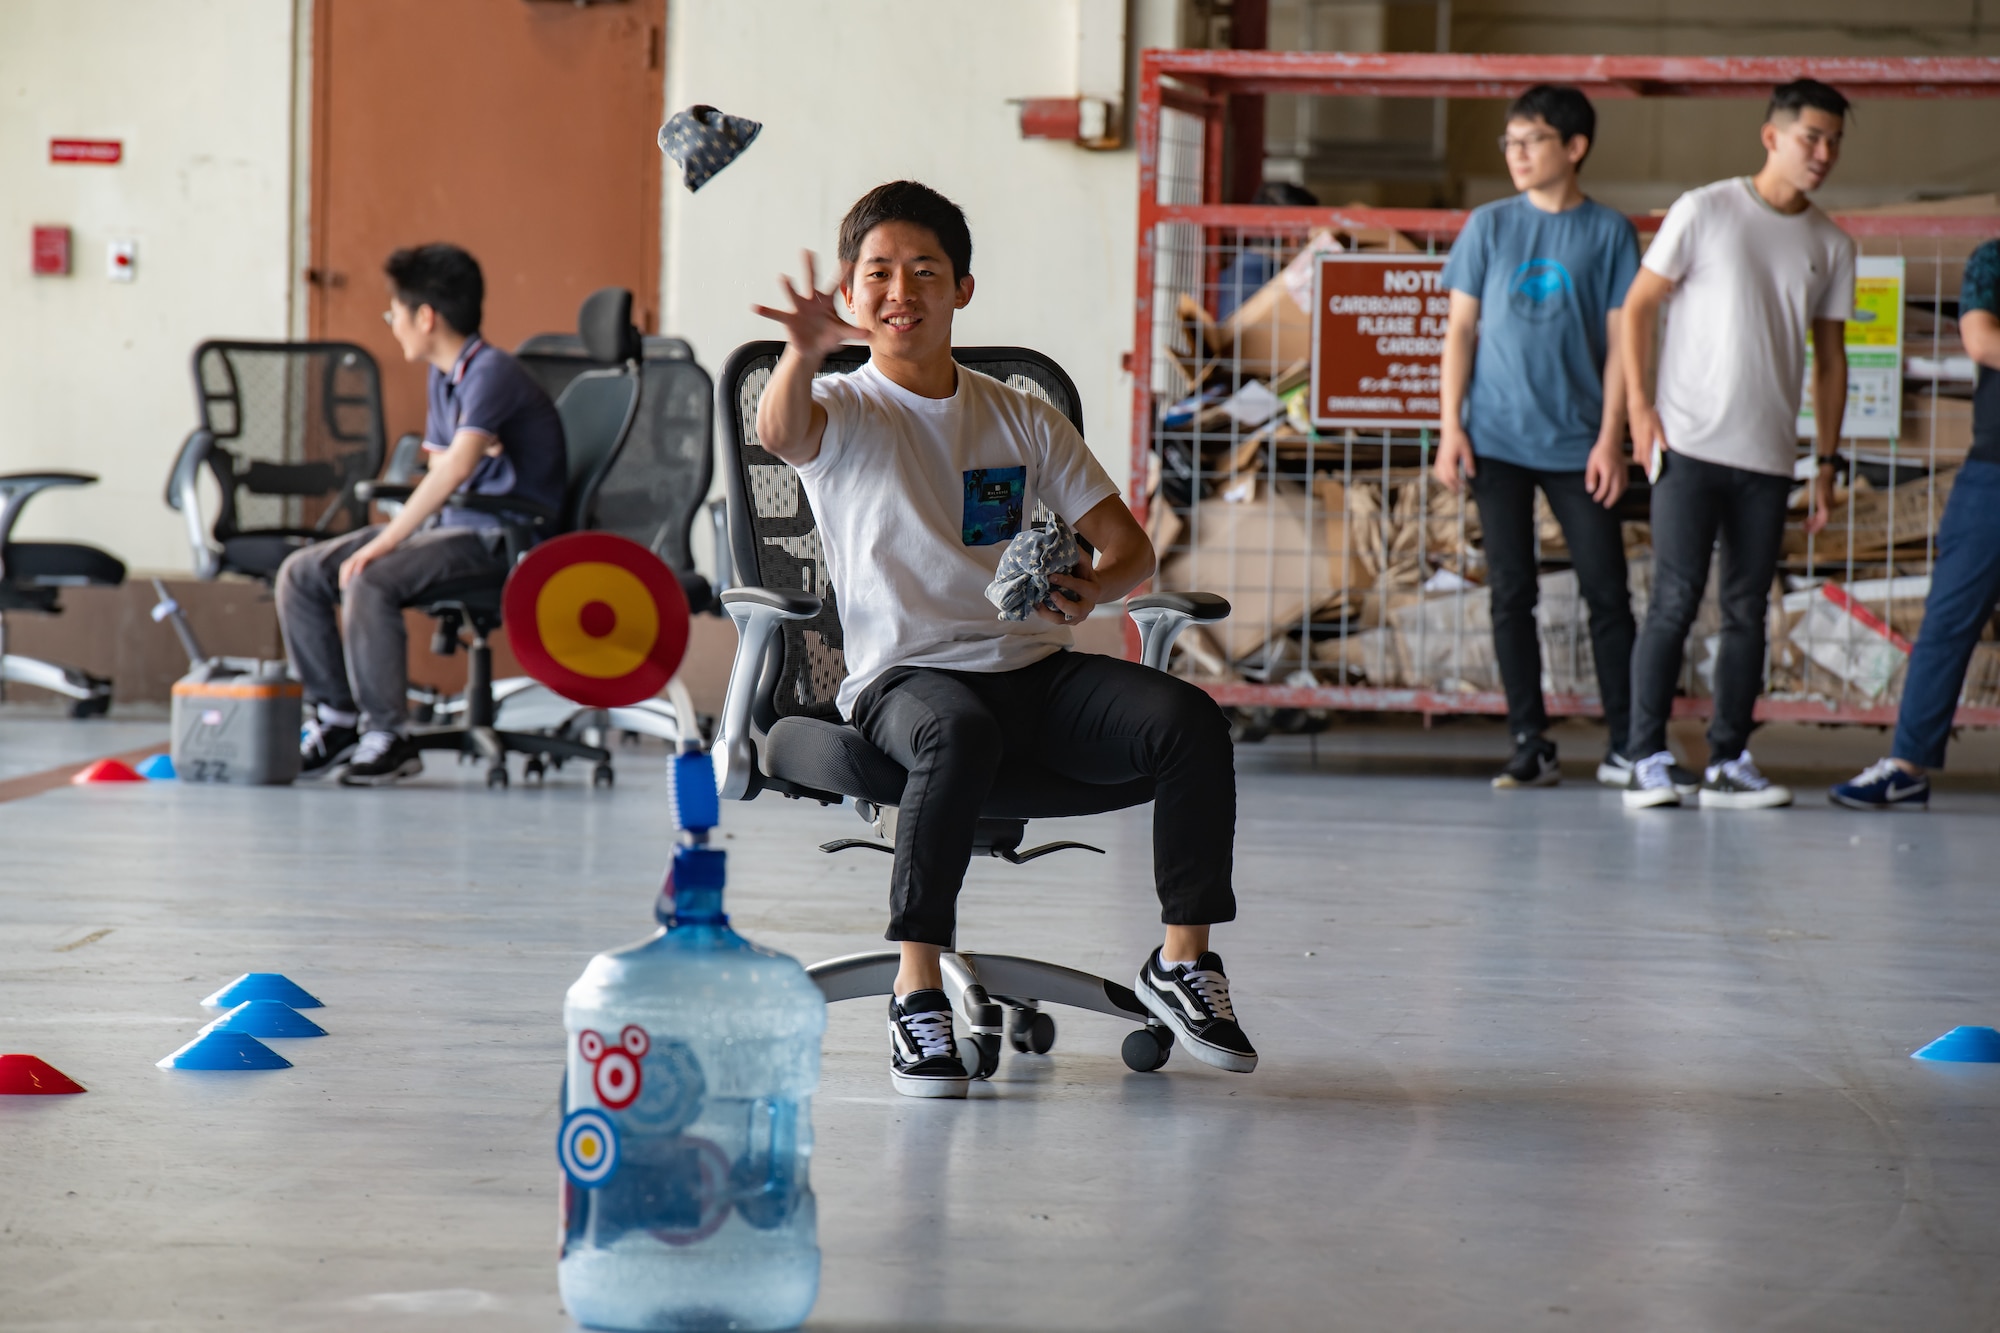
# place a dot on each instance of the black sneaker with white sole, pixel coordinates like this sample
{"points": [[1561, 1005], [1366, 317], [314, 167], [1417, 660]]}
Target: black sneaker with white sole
{"points": [[1614, 770], [1652, 783], [1193, 1000], [1533, 765], [382, 757], [923, 1057], [1736, 784], [322, 746]]}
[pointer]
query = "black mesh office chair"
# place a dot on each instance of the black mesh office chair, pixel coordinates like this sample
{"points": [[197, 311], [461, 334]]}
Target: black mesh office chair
{"points": [[287, 431], [781, 732], [598, 407], [32, 577]]}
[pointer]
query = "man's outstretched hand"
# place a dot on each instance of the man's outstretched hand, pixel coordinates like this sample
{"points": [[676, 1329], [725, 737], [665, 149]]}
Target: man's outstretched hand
{"points": [[813, 325]]}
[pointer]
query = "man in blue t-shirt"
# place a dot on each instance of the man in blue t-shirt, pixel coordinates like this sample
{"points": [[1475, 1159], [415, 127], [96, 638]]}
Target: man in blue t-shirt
{"points": [[1965, 581], [1533, 397], [490, 430]]}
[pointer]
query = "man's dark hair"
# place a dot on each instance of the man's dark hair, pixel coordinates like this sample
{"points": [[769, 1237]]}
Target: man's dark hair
{"points": [[1788, 99], [443, 277], [1563, 108], [907, 201]]}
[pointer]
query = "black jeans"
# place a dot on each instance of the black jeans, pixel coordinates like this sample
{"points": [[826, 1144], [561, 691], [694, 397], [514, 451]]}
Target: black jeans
{"points": [[1505, 493], [1694, 503], [1088, 717]]}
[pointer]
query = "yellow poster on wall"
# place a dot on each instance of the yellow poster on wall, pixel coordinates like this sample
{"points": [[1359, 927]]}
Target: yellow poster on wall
{"points": [[1874, 355]]}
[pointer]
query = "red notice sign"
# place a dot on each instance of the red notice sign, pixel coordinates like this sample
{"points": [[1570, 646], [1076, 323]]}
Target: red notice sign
{"points": [[1377, 339], [96, 152]]}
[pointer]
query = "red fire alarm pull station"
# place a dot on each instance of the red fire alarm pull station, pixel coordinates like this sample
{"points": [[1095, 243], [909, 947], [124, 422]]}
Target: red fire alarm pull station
{"points": [[52, 251], [93, 152]]}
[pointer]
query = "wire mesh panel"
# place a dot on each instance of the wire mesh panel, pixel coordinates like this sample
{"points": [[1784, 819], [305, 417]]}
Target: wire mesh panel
{"points": [[300, 422], [1358, 582], [656, 486]]}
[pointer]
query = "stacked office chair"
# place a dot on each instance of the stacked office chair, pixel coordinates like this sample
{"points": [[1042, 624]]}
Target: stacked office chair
{"points": [[287, 430], [598, 407], [32, 577], [781, 732]]}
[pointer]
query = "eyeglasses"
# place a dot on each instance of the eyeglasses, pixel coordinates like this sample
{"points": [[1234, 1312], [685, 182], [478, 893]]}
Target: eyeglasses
{"points": [[1527, 143]]}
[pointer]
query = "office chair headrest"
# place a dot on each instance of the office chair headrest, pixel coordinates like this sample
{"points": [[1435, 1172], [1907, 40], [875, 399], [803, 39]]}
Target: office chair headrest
{"points": [[605, 325]]}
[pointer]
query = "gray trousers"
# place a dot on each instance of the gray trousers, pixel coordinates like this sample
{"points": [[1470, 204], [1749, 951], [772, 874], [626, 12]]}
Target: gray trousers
{"points": [[369, 672]]}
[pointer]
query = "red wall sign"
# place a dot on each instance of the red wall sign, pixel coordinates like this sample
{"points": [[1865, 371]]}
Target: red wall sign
{"points": [[97, 152], [1377, 339], [52, 251]]}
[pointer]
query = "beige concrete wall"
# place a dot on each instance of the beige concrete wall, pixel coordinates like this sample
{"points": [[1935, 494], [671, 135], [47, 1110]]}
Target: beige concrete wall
{"points": [[853, 93], [94, 374]]}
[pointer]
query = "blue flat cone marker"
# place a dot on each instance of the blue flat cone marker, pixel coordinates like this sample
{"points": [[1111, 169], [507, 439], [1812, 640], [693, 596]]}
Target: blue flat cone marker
{"points": [[1966, 1045], [225, 1050], [262, 986], [266, 1018], [157, 768]]}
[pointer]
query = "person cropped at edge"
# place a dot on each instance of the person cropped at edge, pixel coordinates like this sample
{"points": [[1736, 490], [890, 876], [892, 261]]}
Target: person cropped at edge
{"points": [[920, 473], [1534, 396], [490, 430], [1965, 580], [1744, 268]]}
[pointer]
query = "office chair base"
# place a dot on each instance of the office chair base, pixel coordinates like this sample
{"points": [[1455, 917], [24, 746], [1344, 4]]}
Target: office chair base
{"points": [[90, 696], [494, 745], [1001, 995]]}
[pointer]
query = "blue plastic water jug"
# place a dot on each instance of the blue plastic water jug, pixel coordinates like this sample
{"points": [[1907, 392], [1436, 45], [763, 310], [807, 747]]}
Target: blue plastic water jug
{"points": [[687, 1131]]}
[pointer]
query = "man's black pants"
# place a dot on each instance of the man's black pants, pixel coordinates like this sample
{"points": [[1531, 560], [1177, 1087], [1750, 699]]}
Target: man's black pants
{"points": [[1505, 493], [1089, 717], [1694, 503]]}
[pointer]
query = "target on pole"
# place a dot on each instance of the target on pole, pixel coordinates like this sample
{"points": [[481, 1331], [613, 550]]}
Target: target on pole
{"points": [[587, 1147], [597, 618]]}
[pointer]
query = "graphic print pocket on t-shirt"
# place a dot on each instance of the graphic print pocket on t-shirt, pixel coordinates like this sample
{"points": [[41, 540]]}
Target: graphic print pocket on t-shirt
{"points": [[994, 497]]}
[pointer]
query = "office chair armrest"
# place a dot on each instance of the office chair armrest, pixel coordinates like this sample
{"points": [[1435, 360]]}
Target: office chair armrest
{"points": [[758, 612], [184, 496], [378, 492], [17, 488], [1161, 616]]}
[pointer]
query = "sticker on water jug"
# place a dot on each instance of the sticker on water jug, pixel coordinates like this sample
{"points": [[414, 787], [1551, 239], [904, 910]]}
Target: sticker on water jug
{"points": [[587, 1147], [615, 1074], [674, 1088]]}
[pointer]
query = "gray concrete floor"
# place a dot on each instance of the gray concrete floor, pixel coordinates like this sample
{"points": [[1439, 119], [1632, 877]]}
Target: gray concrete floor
{"points": [[1530, 1062]]}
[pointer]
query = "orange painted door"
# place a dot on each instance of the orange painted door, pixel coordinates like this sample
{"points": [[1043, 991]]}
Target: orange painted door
{"points": [[523, 130]]}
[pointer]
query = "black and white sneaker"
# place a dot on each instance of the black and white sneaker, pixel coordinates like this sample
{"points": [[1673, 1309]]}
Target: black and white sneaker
{"points": [[1533, 765], [1614, 770], [382, 757], [1652, 782], [323, 746], [923, 1058], [1194, 1002], [1735, 784]]}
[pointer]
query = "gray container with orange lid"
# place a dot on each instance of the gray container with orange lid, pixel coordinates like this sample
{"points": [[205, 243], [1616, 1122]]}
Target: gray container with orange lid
{"points": [[236, 719]]}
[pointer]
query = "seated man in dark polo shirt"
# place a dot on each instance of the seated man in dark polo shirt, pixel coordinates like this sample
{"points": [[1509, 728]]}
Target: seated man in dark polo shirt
{"points": [[491, 430]]}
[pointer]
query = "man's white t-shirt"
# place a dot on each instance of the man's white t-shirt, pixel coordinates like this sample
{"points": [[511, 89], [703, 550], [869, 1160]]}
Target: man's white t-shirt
{"points": [[1750, 282], [916, 498]]}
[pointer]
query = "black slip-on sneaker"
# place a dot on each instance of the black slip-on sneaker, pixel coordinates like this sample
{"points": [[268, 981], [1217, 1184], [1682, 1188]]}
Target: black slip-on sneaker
{"points": [[923, 1057]]}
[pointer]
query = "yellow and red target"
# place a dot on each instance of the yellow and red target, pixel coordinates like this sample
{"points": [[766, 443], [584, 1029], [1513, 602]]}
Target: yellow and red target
{"points": [[597, 618]]}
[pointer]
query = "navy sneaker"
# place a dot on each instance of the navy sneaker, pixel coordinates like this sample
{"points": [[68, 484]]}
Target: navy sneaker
{"points": [[1883, 785]]}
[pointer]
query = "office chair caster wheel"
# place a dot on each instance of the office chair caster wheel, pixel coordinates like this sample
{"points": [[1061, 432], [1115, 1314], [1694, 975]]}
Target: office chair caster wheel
{"points": [[534, 770], [1146, 1049], [602, 776], [980, 1055], [1031, 1030], [496, 776], [97, 705]]}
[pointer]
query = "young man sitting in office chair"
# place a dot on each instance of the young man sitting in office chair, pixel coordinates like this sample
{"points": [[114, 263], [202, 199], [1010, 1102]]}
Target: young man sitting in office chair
{"points": [[887, 455], [490, 430]]}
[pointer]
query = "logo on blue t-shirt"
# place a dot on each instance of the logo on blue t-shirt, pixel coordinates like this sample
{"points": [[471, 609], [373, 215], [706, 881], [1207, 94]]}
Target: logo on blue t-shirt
{"points": [[1541, 290]]}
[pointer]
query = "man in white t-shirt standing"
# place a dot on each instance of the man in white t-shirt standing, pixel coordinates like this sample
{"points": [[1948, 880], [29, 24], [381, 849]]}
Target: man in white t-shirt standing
{"points": [[920, 472], [1744, 268]]}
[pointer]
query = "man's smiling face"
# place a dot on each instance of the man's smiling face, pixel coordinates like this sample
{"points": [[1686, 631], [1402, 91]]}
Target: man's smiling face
{"points": [[903, 291]]}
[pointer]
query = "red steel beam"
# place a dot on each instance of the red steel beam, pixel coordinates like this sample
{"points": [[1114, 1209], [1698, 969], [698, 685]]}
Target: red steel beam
{"points": [[1418, 223]]}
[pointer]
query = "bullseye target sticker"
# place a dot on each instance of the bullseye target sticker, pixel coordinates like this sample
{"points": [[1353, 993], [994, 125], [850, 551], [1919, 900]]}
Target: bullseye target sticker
{"points": [[590, 1046], [616, 1079], [587, 1147], [635, 1041], [597, 618]]}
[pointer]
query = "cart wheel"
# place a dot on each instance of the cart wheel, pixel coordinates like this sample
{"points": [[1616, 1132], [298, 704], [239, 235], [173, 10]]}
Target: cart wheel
{"points": [[534, 770], [1146, 1049], [496, 776], [602, 776]]}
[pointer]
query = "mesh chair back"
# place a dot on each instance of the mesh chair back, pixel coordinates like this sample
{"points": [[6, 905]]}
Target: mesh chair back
{"points": [[771, 527], [299, 423], [652, 491], [596, 410], [552, 360]]}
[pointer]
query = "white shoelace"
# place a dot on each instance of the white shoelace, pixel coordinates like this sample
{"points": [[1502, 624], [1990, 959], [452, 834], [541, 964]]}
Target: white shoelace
{"points": [[312, 734], [1743, 771], [932, 1031], [373, 746], [1652, 770], [1879, 770], [1212, 988]]}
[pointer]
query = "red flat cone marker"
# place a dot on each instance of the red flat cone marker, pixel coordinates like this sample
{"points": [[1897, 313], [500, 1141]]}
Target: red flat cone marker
{"points": [[27, 1076], [107, 770]]}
